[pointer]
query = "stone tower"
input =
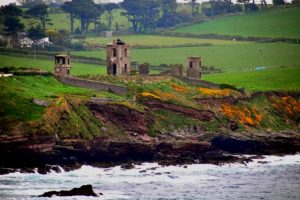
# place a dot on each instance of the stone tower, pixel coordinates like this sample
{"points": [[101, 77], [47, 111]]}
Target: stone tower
{"points": [[62, 65], [194, 67], [118, 58]]}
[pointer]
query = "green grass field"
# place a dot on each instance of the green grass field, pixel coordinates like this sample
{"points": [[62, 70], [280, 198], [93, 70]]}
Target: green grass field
{"points": [[17, 94], [265, 80], [62, 21], [276, 22], [156, 40], [226, 57], [47, 65]]}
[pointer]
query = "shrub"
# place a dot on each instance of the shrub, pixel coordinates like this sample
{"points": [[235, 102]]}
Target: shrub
{"points": [[278, 2], [252, 7]]}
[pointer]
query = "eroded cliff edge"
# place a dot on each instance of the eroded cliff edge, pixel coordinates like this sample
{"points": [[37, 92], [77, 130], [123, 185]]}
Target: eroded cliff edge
{"points": [[165, 121]]}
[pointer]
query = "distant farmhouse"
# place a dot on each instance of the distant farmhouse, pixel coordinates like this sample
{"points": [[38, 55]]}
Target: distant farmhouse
{"points": [[26, 42]]}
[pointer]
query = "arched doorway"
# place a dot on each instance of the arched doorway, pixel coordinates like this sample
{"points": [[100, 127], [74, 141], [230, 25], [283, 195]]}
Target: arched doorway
{"points": [[114, 71]]}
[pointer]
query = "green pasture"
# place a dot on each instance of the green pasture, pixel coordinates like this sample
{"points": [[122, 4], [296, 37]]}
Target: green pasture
{"points": [[226, 57], [264, 80], [62, 21], [276, 22], [17, 94], [160, 41], [47, 65]]}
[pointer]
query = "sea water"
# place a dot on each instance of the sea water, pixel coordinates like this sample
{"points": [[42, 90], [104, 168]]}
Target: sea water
{"points": [[273, 177]]}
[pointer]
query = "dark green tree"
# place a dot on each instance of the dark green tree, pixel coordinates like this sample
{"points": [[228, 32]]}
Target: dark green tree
{"points": [[263, 4], [109, 8], [150, 15], [246, 4], [295, 1], [169, 16], [85, 10], [133, 12], [194, 4], [36, 33], [40, 12], [142, 14], [9, 11], [69, 8], [12, 27], [278, 2], [9, 18]]}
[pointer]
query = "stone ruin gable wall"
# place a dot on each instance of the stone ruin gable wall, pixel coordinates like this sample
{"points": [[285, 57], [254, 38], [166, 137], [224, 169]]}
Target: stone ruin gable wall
{"points": [[176, 70], [63, 71], [195, 70], [200, 83], [100, 86], [120, 60]]}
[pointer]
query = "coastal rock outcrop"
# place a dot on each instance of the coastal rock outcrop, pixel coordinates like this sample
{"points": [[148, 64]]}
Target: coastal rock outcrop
{"points": [[85, 190]]}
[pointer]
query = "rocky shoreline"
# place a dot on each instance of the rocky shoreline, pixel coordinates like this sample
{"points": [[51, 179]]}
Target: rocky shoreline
{"points": [[25, 154]]}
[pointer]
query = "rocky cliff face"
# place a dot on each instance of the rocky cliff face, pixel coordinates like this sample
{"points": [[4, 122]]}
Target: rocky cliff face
{"points": [[191, 143]]}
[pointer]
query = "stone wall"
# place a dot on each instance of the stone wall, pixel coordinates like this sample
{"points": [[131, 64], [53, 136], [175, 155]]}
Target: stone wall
{"points": [[200, 83], [100, 86], [177, 70]]}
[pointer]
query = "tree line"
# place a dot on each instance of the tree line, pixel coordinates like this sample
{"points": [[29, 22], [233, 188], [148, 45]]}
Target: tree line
{"points": [[143, 15]]}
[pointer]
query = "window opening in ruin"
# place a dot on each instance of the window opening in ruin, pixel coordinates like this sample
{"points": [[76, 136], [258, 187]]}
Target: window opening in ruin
{"points": [[114, 52], [191, 64]]}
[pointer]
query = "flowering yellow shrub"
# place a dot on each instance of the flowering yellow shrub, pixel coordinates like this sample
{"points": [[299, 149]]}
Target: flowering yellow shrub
{"points": [[165, 95], [287, 106], [258, 116], [243, 115], [147, 94], [180, 88], [215, 92]]}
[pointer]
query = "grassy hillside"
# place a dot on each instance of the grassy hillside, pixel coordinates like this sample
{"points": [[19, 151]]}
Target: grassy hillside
{"points": [[227, 57], [273, 79], [48, 65], [156, 40], [66, 110], [17, 94], [277, 22]]}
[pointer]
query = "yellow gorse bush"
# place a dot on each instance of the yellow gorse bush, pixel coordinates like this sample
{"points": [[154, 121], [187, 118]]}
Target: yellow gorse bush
{"points": [[245, 116], [147, 94], [215, 92], [287, 106]]}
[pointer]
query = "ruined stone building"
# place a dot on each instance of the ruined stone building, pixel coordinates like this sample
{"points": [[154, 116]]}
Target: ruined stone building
{"points": [[177, 70], [194, 67], [118, 58], [62, 65]]}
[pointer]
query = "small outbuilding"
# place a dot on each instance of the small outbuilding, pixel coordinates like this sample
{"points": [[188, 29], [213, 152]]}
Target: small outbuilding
{"points": [[62, 65]]}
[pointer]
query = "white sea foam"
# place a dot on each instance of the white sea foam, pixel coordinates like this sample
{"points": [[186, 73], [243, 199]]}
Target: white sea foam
{"points": [[150, 180]]}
